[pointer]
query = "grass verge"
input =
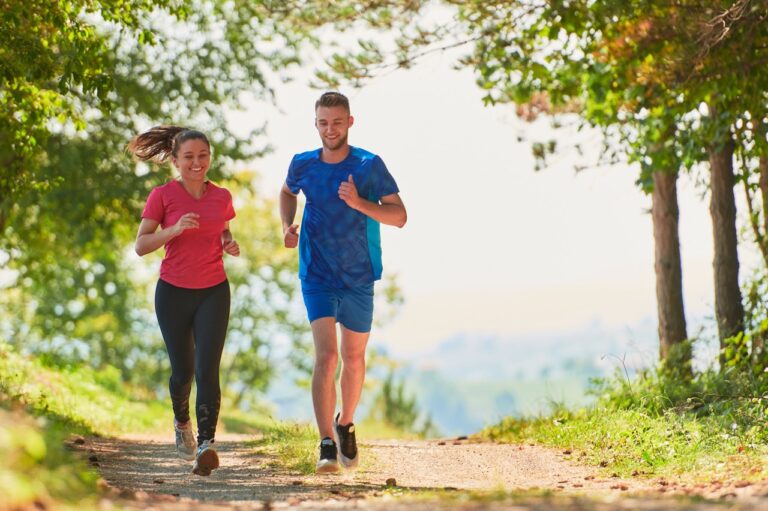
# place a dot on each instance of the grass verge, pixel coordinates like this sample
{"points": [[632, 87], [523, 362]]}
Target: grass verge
{"points": [[80, 399], [293, 446], [710, 427]]}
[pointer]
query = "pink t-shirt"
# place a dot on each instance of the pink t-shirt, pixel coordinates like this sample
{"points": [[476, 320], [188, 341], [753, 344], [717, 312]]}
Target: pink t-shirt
{"points": [[193, 259]]}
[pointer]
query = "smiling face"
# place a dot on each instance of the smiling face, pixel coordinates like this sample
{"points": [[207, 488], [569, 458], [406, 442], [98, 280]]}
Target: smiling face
{"points": [[333, 123], [193, 158]]}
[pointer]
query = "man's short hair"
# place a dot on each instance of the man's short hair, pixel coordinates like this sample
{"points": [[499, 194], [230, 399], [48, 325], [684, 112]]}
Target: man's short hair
{"points": [[332, 98]]}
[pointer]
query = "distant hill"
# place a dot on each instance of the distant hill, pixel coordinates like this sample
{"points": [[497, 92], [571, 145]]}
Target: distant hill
{"points": [[470, 381], [593, 349]]}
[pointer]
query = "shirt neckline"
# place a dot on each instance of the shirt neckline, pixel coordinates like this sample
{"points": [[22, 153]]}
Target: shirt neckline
{"points": [[205, 190], [319, 157]]}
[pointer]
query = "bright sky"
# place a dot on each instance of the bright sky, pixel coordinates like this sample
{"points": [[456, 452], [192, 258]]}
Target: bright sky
{"points": [[491, 246]]}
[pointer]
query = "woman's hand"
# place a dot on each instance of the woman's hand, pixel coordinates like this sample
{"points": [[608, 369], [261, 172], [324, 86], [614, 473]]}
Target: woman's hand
{"points": [[228, 244], [187, 221], [232, 248]]}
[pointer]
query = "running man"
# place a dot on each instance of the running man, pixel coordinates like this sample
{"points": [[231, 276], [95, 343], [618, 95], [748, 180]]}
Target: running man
{"points": [[348, 192]]}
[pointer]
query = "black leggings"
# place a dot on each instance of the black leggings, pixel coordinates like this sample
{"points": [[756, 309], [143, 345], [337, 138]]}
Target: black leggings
{"points": [[194, 324]]}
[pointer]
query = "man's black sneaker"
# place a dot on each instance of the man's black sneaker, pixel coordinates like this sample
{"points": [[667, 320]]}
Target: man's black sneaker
{"points": [[327, 464], [345, 438]]}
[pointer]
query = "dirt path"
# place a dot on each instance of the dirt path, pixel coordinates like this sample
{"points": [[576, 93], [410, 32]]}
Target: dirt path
{"points": [[144, 473]]}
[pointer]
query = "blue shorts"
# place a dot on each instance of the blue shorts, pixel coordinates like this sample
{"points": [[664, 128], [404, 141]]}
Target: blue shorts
{"points": [[353, 307]]}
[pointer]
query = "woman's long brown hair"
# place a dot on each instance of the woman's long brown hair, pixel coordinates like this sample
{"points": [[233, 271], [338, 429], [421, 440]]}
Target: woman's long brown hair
{"points": [[160, 142]]}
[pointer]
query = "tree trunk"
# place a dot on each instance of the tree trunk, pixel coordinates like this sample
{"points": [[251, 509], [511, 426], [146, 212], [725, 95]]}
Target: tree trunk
{"points": [[669, 275], [764, 191], [758, 338], [722, 207]]}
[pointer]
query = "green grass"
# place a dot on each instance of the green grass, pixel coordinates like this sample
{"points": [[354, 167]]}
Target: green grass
{"points": [[293, 445], [36, 467], [81, 399], [713, 427]]}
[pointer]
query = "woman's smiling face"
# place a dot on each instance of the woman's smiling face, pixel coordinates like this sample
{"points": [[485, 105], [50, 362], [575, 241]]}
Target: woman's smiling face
{"points": [[193, 158]]}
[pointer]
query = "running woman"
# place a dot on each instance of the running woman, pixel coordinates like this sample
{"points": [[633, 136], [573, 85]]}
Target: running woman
{"points": [[348, 192], [192, 296]]}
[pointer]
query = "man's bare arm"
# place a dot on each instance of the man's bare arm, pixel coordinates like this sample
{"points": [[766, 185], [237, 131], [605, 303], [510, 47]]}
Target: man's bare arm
{"points": [[288, 205]]}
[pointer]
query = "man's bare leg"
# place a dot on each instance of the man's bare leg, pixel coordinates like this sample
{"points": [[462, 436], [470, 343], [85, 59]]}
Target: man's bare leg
{"points": [[324, 374], [353, 346]]}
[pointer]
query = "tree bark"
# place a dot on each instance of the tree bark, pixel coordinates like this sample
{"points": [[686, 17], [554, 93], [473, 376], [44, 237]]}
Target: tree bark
{"points": [[669, 276], [758, 338], [722, 207], [763, 165]]}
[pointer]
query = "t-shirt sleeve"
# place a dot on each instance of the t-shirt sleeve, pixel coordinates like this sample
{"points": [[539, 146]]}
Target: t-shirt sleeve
{"points": [[154, 209], [292, 181], [382, 182], [229, 209]]}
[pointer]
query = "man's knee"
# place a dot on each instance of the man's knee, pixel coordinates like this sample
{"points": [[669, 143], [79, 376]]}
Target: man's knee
{"points": [[326, 360], [353, 358]]}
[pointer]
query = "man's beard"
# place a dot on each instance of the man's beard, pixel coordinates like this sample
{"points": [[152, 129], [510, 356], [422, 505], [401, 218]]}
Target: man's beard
{"points": [[339, 143]]}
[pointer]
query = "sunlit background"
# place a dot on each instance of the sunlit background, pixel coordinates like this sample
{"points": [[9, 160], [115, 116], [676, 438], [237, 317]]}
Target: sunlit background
{"points": [[519, 285]]}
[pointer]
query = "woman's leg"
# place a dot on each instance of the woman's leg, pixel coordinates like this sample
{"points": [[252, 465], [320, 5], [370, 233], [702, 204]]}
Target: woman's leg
{"points": [[175, 311], [210, 327]]}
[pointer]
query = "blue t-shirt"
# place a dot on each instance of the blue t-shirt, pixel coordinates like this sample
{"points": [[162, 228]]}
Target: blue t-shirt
{"points": [[339, 246]]}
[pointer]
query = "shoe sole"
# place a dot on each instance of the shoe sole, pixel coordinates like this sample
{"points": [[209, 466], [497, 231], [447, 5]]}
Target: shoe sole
{"points": [[350, 463], [188, 456], [206, 463], [330, 467]]}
